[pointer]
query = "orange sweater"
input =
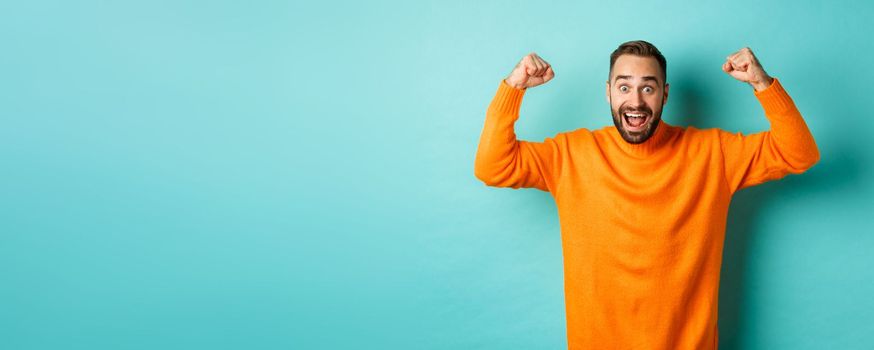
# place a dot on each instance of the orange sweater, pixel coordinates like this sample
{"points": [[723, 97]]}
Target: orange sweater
{"points": [[642, 226]]}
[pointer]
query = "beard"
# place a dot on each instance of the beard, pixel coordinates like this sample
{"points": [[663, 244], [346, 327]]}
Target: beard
{"points": [[636, 137]]}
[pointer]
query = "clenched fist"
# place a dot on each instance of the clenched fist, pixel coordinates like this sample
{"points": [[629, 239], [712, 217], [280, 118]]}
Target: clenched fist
{"points": [[531, 71], [744, 66]]}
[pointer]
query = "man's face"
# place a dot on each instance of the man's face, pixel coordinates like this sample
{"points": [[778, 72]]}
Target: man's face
{"points": [[636, 92]]}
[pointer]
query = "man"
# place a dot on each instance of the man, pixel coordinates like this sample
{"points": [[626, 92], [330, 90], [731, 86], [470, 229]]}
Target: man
{"points": [[642, 204]]}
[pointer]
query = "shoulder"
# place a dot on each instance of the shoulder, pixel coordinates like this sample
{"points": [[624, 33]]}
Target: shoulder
{"points": [[719, 135], [714, 137], [697, 139], [578, 135], [701, 134], [602, 134]]}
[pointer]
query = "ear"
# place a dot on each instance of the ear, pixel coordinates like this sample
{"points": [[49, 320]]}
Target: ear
{"points": [[607, 96], [667, 87]]}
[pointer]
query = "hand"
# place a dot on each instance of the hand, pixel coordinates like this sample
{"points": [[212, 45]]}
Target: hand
{"points": [[744, 66], [531, 71]]}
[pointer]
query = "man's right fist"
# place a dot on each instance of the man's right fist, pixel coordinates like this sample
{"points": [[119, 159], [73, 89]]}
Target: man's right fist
{"points": [[531, 71]]}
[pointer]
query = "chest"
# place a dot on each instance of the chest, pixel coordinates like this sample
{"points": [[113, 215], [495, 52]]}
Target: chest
{"points": [[660, 194]]}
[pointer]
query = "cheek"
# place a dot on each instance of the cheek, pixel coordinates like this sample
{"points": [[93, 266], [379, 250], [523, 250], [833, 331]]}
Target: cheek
{"points": [[617, 102], [616, 106]]}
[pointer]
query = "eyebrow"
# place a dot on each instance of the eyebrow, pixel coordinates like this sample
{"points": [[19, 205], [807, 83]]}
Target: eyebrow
{"points": [[648, 77]]}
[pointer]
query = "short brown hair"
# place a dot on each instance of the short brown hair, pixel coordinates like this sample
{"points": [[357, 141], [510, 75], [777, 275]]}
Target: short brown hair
{"points": [[639, 48]]}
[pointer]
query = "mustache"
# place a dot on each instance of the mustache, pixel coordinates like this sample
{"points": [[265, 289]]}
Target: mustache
{"points": [[641, 109]]}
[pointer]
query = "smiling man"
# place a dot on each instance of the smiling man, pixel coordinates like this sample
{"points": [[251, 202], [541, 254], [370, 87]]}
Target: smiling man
{"points": [[632, 114], [642, 204]]}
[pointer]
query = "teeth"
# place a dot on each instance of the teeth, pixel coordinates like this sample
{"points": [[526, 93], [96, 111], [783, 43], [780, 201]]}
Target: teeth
{"points": [[634, 115]]}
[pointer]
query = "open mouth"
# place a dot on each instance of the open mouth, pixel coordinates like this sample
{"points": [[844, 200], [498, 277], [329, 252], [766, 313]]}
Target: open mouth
{"points": [[635, 121]]}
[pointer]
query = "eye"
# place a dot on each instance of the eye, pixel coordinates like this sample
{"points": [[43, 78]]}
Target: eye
{"points": [[647, 89], [623, 88]]}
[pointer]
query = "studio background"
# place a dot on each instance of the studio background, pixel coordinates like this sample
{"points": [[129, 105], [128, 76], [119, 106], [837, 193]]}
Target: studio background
{"points": [[299, 175]]}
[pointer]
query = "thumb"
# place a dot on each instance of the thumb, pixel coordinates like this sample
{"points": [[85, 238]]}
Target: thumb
{"points": [[530, 69], [742, 76], [740, 67]]}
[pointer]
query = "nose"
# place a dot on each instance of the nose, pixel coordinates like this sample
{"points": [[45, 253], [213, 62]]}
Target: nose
{"points": [[637, 99]]}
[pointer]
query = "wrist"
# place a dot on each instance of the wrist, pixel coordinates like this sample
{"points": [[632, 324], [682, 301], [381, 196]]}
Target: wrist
{"points": [[514, 84], [763, 84]]}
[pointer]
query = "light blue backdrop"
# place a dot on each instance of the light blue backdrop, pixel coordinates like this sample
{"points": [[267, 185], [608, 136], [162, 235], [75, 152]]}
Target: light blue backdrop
{"points": [[272, 175]]}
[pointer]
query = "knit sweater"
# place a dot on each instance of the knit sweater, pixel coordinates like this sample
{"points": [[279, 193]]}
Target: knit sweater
{"points": [[643, 225]]}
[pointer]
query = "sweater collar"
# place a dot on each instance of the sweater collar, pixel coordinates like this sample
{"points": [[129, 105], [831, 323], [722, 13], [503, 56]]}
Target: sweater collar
{"points": [[656, 142]]}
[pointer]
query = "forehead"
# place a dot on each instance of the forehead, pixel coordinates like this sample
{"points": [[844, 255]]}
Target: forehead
{"points": [[636, 67]]}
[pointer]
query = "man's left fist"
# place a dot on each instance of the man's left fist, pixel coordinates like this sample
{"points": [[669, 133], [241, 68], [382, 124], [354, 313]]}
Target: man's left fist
{"points": [[744, 66]]}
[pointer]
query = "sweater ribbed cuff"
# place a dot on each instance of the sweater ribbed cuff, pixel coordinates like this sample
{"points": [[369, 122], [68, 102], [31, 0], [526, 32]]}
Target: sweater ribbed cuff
{"points": [[774, 99], [507, 100]]}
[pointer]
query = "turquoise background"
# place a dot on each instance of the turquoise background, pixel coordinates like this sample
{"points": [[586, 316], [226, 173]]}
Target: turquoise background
{"points": [[299, 175]]}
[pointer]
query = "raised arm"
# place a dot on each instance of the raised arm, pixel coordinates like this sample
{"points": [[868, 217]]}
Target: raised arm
{"points": [[501, 159], [787, 148]]}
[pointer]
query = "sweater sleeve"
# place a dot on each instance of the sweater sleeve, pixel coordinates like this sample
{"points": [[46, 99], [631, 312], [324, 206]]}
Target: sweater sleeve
{"points": [[504, 161], [787, 148]]}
